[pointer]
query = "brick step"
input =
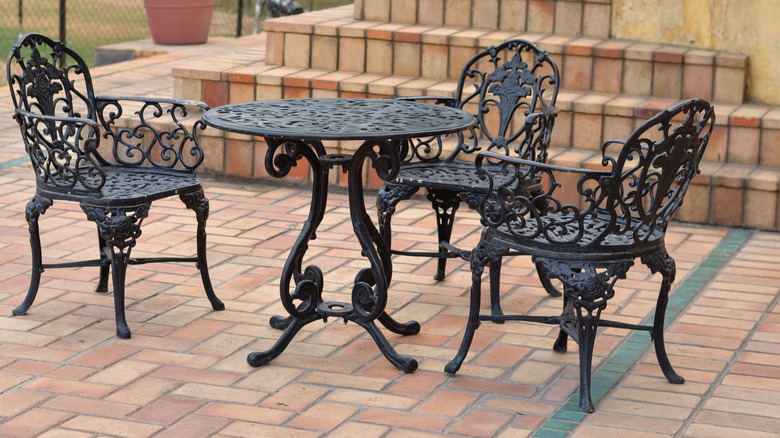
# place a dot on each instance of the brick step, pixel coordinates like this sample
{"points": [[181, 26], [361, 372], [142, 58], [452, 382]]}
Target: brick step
{"points": [[333, 40], [562, 17], [745, 134]]}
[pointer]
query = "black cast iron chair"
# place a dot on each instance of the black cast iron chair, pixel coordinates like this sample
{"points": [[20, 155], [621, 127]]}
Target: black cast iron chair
{"points": [[144, 156], [621, 215], [511, 89]]}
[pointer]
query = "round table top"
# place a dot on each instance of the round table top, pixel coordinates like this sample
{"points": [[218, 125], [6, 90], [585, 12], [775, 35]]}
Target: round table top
{"points": [[338, 119]]}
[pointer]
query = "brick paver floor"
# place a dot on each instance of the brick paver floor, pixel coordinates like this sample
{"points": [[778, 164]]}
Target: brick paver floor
{"points": [[63, 373]]}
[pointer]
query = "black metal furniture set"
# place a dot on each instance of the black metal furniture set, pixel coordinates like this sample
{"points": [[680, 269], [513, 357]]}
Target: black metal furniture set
{"points": [[82, 149]]}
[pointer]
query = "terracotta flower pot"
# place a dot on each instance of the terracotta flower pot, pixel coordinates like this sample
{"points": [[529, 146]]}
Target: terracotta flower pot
{"points": [[179, 21]]}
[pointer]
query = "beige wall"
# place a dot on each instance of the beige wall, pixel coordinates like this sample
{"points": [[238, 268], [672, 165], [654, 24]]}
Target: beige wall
{"points": [[749, 27]]}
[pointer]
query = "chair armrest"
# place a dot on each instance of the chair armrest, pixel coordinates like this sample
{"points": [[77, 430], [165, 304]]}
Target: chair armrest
{"points": [[67, 144], [529, 163], [197, 103], [79, 120], [439, 100], [531, 118]]}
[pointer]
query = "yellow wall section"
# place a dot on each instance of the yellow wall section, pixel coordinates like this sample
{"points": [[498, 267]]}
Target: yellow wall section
{"points": [[748, 27]]}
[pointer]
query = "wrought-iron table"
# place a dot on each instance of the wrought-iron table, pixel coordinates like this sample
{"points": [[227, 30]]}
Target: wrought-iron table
{"points": [[294, 129]]}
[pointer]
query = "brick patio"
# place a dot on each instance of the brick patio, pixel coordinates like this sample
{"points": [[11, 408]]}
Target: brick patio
{"points": [[63, 373]]}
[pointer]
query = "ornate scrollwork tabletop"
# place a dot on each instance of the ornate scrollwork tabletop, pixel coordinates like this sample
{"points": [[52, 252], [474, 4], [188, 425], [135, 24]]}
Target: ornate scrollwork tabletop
{"points": [[338, 119]]}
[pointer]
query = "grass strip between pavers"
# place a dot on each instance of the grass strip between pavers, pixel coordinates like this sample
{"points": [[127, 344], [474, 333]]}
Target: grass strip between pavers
{"points": [[14, 162]]}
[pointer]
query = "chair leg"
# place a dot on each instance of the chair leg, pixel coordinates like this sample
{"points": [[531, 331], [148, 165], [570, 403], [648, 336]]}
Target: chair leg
{"points": [[386, 200], [587, 287], [587, 325], [120, 231], [200, 205], [664, 264], [102, 285], [478, 262], [495, 288], [445, 203], [35, 208], [480, 257], [567, 317]]}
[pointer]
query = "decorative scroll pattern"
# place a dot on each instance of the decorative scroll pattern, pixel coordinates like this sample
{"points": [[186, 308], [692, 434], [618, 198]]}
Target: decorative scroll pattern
{"points": [[160, 139], [513, 103], [119, 227], [627, 205], [342, 119], [58, 115]]}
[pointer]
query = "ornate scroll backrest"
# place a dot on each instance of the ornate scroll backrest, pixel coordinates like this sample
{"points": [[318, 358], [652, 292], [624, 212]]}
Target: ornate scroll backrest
{"points": [[52, 93], [630, 201], [653, 170], [511, 89]]}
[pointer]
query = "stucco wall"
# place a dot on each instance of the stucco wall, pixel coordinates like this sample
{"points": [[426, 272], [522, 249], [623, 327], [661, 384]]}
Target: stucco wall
{"points": [[749, 27]]}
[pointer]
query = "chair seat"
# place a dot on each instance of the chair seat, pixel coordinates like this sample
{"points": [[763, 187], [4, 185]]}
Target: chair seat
{"points": [[563, 241], [456, 176], [131, 186]]}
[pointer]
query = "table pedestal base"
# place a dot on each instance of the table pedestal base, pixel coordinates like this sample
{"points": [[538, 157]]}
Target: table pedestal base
{"points": [[303, 302]]}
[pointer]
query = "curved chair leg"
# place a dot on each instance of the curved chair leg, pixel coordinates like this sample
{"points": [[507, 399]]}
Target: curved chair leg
{"points": [[386, 200], [120, 231], [480, 257], [200, 205], [546, 282], [445, 203], [587, 325], [587, 287], [35, 208], [102, 285], [664, 264]]}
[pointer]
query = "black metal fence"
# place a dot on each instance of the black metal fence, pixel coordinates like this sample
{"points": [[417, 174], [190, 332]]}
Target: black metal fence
{"points": [[87, 24]]}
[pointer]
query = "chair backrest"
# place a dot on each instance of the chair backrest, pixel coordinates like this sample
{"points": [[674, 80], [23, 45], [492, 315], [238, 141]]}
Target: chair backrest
{"points": [[629, 202], [511, 89], [655, 166], [51, 89], [62, 121]]}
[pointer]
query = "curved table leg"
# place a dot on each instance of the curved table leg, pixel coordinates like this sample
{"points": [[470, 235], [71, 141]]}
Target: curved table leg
{"points": [[403, 363], [263, 357], [401, 328]]}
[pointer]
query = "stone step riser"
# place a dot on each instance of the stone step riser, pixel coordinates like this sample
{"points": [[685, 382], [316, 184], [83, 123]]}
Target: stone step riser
{"points": [[745, 134], [736, 188], [563, 17], [586, 64]]}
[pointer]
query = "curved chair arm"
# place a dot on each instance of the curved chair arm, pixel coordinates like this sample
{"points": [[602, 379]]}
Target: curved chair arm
{"points": [[197, 103], [522, 192], [61, 119], [535, 164], [62, 151], [161, 133], [439, 100], [531, 117]]}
